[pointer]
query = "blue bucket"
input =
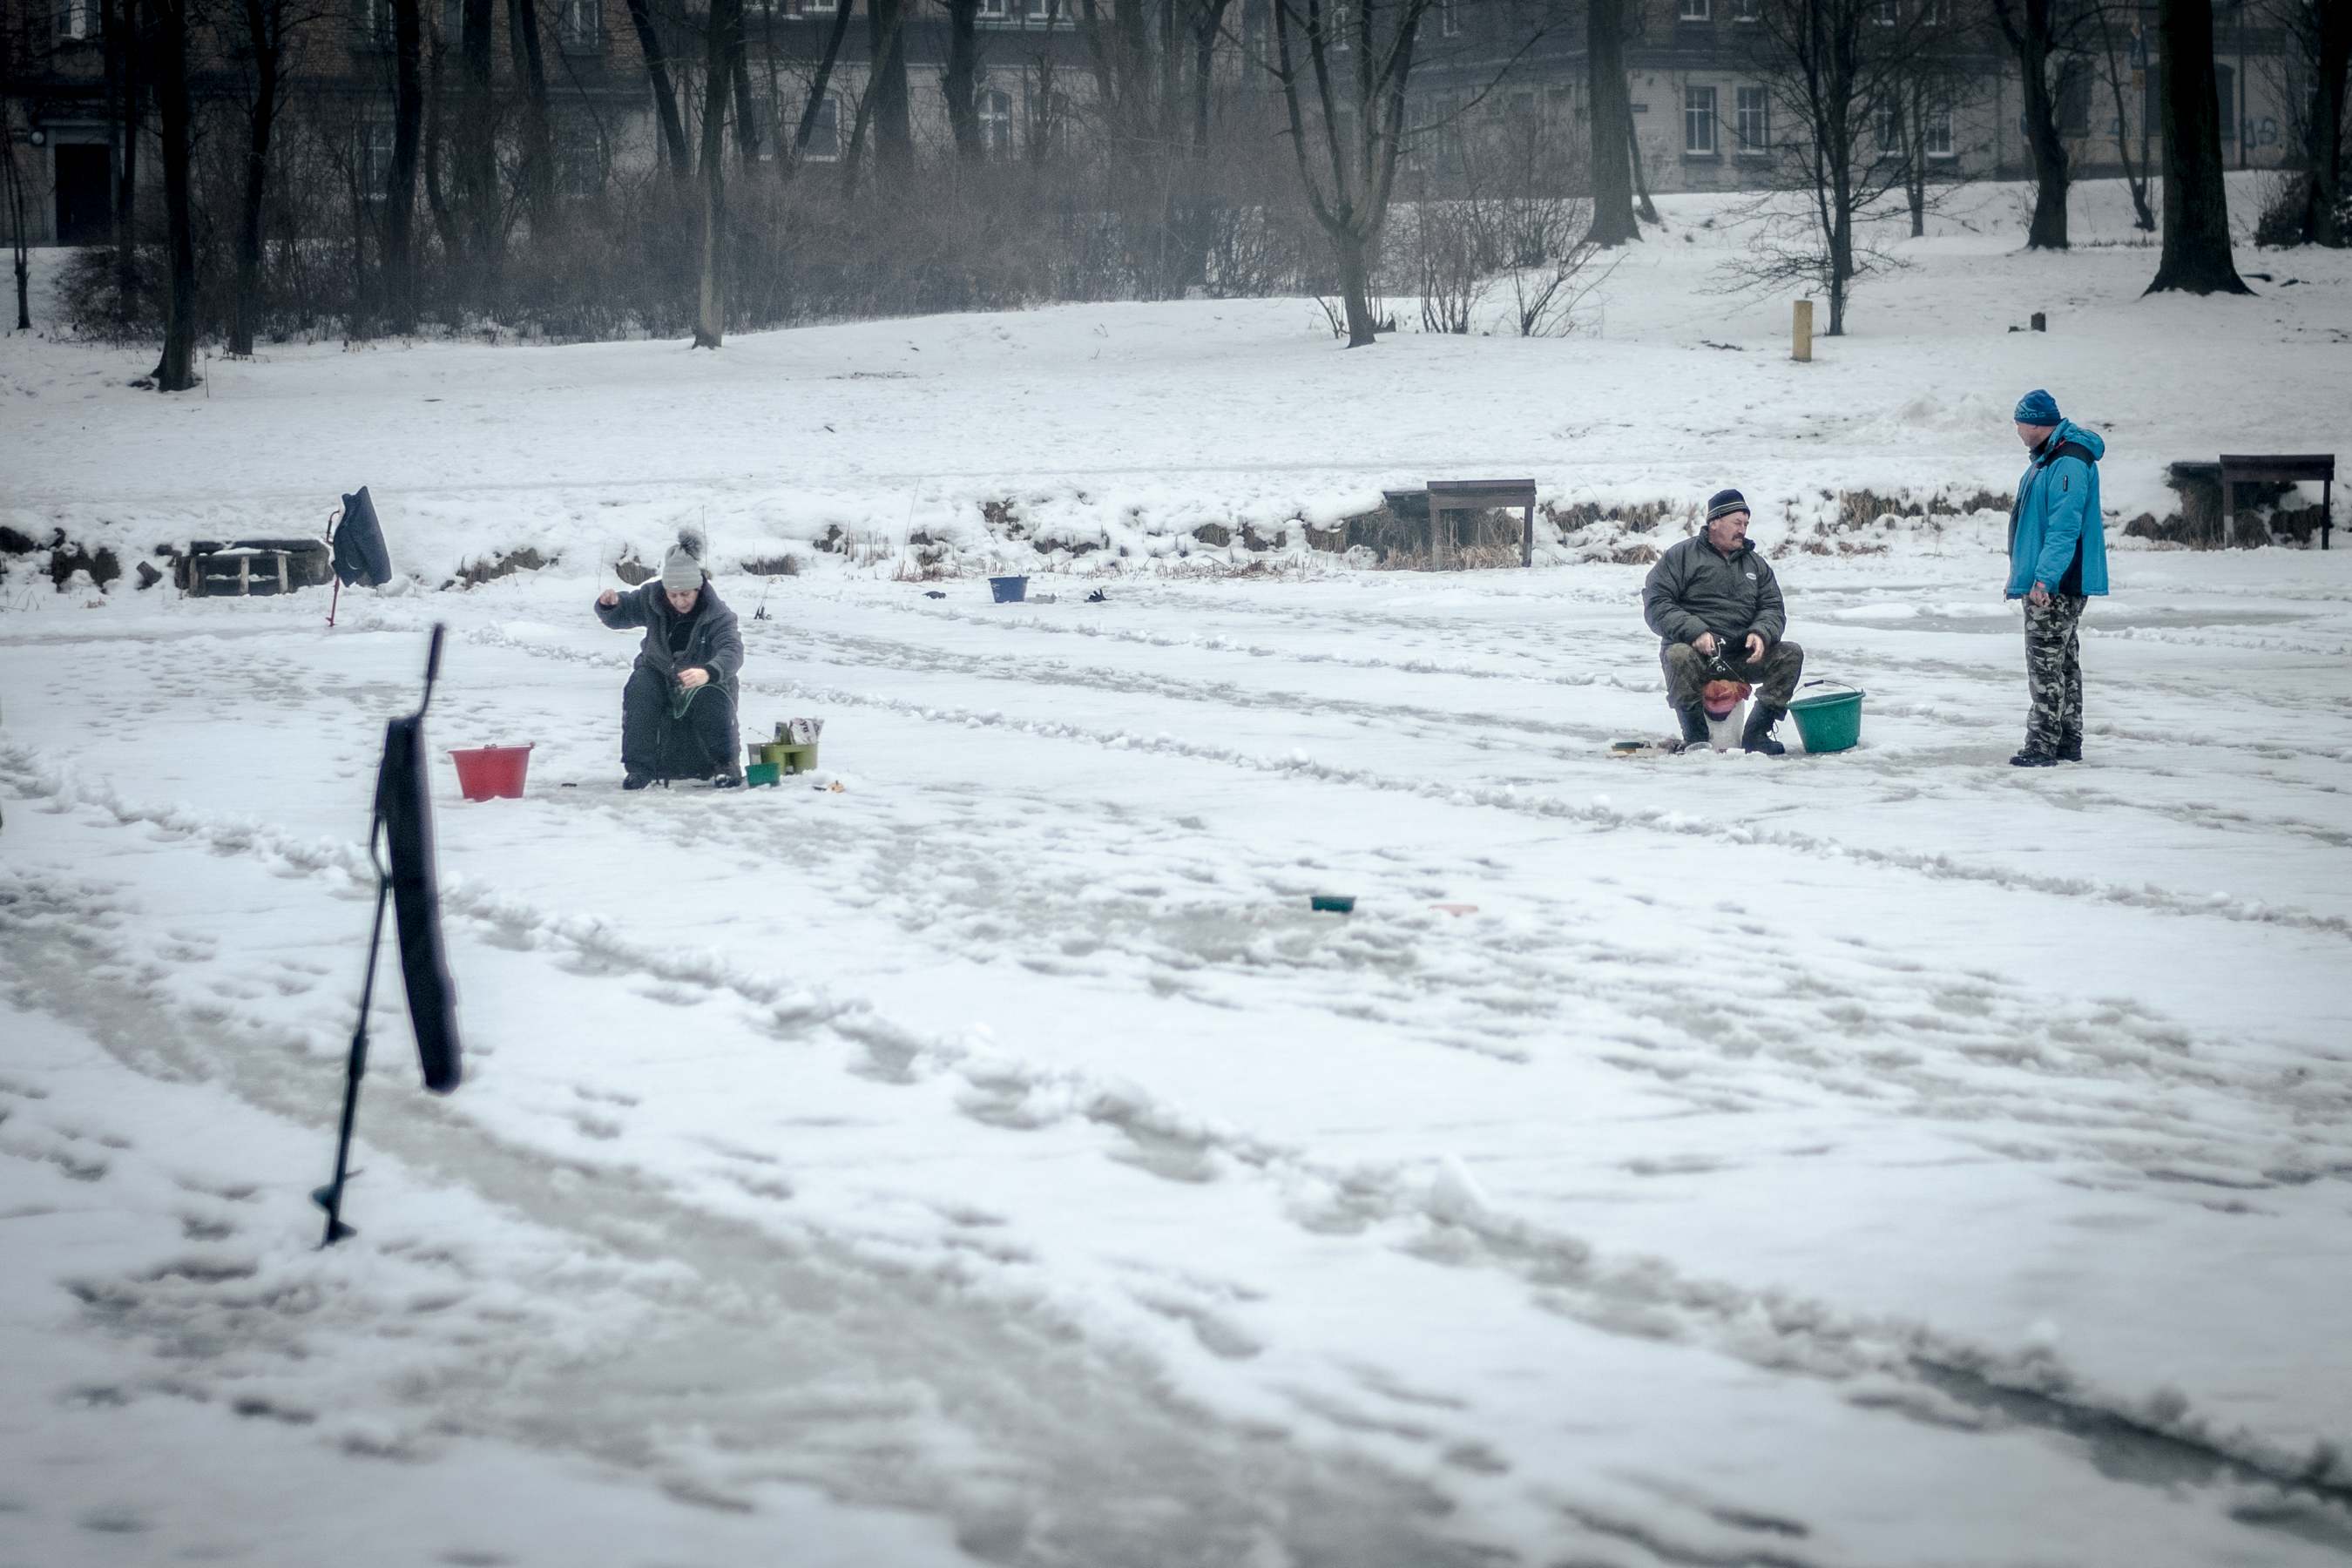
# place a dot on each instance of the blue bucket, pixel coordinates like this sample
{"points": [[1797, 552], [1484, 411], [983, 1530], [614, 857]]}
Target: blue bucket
{"points": [[1009, 590]]}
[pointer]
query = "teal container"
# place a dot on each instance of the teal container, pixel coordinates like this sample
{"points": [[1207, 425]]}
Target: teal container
{"points": [[1830, 723]]}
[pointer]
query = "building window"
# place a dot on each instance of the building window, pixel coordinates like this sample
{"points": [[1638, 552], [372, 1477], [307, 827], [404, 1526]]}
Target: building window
{"points": [[374, 157], [994, 10], [1692, 11], [1753, 122], [1449, 19], [1338, 25], [817, 8], [579, 158], [824, 131], [2225, 85], [1886, 120], [1745, 10], [1885, 14], [1699, 123], [580, 24], [996, 122], [2075, 97], [1936, 13], [1045, 11], [75, 20], [1938, 138]]}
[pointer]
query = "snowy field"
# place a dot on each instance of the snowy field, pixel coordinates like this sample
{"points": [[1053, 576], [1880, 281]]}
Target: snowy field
{"points": [[1886, 1158]]}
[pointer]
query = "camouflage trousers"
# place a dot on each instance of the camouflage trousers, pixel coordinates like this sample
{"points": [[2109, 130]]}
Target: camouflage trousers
{"points": [[2053, 672]]}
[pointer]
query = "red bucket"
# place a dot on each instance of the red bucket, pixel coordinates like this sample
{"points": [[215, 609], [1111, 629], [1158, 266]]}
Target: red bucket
{"points": [[487, 773]]}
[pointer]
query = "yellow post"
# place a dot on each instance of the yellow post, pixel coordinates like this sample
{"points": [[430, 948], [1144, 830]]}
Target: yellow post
{"points": [[1801, 345]]}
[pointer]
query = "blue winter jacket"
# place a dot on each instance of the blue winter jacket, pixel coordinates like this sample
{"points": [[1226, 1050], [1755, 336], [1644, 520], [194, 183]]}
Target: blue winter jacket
{"points": [[2057, 511]]}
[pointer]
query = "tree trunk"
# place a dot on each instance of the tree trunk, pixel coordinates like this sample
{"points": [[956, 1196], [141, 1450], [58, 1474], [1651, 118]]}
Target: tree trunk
{"points": [[1356, 287], [176, 371], [2323, 217], [1643, 208], [962, 80], [817, 87], [746, 112], [525, 49], [478, 172], [724, 38], [2029, 27], [123, 28], [407, 141], [19, 238], [1840, 257], [1611, 115], [261, 37], [2196, 256], [673, 129], [436, 202], [885, 92]]}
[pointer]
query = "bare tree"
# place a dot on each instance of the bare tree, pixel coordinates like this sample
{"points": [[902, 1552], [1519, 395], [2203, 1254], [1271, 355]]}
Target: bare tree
{"points": [[524, 49], [2135, 173], [2039, 34], [176, 370], [960, 80], [407, 143], [477, 144], [723, 41], [1154, 65], [122, 31], [2196, 257], [262, 52], [886, 101], [2321, 33], [20, 234], [657, 74], [1613, 222], [789, 161], [1838, 71], [1357, 125]]}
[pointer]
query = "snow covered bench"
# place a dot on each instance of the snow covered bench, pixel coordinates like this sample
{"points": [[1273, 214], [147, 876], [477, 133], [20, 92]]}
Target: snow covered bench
{"points": [[1479, 495], [2278, 469]]}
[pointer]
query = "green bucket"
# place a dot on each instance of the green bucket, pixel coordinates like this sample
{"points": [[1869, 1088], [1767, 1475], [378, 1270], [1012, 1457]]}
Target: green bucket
{"points": [[1830, 723]]}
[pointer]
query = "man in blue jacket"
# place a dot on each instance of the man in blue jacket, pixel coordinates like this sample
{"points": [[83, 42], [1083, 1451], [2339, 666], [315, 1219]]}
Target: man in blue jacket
{"points": [[2057, 560]]}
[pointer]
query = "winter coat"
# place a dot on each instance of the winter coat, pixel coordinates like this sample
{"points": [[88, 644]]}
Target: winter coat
{"points": [[2057, 535], [714, 642], [1695, 588]]}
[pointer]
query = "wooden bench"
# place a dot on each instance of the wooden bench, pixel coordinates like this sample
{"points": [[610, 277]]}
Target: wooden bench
{"points": [[1479, 495], [2277, 469]]}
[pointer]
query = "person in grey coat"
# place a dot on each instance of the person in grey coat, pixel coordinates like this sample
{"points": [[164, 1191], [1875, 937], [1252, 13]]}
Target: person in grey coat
{"points": [[678, 711], [1715, 605]]}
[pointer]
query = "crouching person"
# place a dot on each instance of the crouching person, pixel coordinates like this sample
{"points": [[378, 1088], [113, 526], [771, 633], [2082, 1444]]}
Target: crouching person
{"points": [[1714, 601], [678, 711]]}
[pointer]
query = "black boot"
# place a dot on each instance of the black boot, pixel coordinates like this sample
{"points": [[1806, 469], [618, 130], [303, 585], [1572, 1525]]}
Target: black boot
{"points": [[1694, 719], [2070, 749], [2033, 756], [1758, 736], [635, 778]]}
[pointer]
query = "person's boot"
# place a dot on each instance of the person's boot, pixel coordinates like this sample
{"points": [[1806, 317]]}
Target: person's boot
{"points": [[635, 778], [1758, 736], [1694, 718], [2070, 749], [2033, 756]]}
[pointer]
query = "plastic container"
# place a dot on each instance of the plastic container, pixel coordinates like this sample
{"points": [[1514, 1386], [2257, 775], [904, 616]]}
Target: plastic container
{"points": [[786, 757], [1009, 590], [1830, 723], [1331, 903], [756, 773], [488, 773]]}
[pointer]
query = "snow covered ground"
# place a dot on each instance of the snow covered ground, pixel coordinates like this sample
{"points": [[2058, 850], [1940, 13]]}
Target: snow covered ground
{"points": [[1884, 1158]]}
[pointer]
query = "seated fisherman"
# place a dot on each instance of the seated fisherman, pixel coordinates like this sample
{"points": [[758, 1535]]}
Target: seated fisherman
{"points": [[678, 711], [1717, 604]]}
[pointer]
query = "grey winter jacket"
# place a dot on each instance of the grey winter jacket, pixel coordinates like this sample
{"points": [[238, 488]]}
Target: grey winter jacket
{"points": [[1695, 588], [715, 643]]}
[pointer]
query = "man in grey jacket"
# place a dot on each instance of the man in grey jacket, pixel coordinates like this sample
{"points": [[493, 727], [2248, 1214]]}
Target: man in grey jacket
{"points": [[1717, 606], [678, 711]]}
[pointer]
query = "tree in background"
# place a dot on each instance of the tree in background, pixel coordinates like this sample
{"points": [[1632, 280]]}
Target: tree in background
{"points": [[1154, 74], [2196, 257], [657, 75], [12, 191], [2125, 54], [176, 371], [723, 44], [1838, 73], [2321, 35], [1611, 108], [1345, 101], [2042, 35]]}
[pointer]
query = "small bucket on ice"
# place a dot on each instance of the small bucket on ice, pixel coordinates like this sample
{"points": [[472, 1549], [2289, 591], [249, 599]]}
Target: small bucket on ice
{"points": [[487, 773], [1831, 722], [1009, 590]]}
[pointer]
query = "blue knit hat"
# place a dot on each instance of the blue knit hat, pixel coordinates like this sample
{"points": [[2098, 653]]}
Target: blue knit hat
{"points": [[2038, 407], [1723, 502]]}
